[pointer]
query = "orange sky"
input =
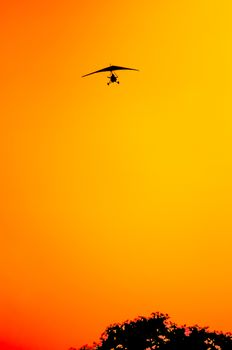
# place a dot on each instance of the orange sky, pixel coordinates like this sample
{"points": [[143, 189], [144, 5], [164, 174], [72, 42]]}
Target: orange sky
{"points": [[115, 201]]}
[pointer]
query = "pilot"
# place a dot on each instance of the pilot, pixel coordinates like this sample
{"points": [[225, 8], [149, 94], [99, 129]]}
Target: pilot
{"points": [[113, 78]]}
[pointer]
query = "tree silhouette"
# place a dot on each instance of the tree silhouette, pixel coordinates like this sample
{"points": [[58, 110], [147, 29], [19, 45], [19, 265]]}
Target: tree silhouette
{"points": [[158, 332]]}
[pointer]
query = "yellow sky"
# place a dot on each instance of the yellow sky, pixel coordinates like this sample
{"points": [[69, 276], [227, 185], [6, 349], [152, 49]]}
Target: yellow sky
{"points": [[115, 201]]}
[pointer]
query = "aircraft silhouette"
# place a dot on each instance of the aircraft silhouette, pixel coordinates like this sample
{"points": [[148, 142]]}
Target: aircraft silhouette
{"points": [[113, 77]]}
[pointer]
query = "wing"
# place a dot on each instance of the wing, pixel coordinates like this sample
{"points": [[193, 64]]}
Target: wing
{"points": [[120, 68], [110, 69]]}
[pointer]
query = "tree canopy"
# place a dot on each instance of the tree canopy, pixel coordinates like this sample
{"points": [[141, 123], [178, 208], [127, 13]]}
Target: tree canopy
{"points": [[158, 332]]}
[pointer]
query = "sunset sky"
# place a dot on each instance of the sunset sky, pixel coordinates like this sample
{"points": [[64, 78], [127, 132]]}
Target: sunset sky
{"points": [[116, 201]]}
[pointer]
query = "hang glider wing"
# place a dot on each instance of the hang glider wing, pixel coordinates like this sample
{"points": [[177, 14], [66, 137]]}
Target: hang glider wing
{"points": [[110, 69]]}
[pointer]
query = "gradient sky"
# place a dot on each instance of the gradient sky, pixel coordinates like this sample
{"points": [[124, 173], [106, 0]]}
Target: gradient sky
{"points": [[115, 201]]}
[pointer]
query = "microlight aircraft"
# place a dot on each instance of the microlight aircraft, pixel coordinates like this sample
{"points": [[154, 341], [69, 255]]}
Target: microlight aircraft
{"points": [[113, 78]]}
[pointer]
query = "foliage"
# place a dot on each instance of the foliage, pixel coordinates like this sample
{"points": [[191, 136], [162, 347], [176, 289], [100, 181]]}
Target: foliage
{"points": [[158, 332]]}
